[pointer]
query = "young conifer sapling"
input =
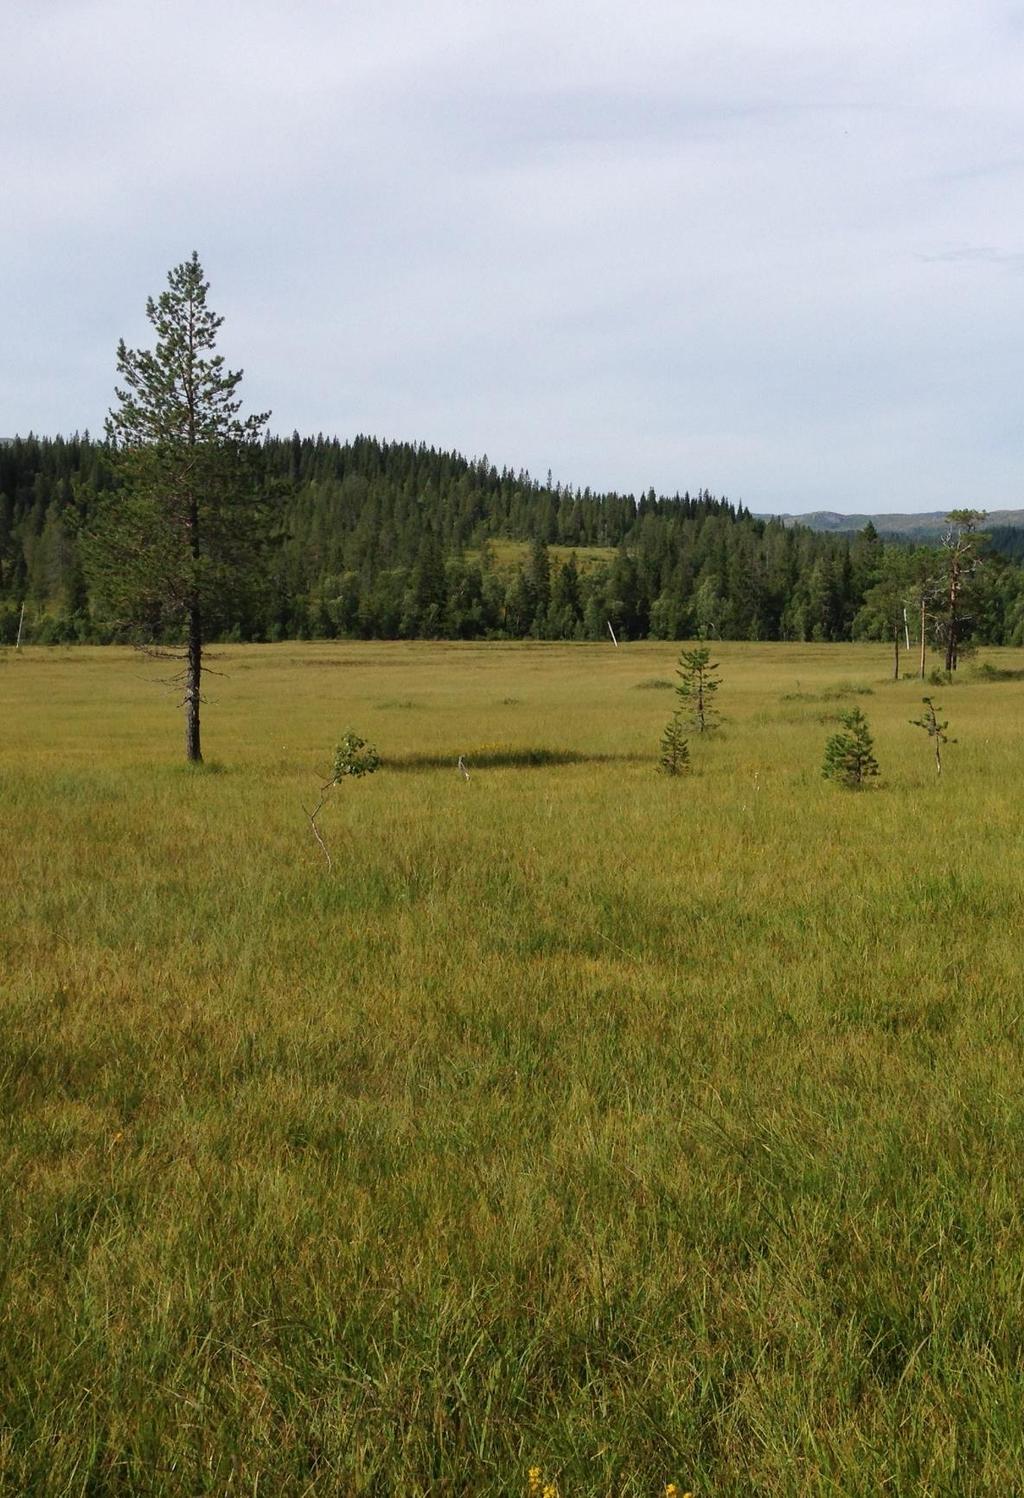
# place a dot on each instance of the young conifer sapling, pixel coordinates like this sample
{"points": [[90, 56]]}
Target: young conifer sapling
{"points": [[675, 750], [697, 688], [849, 754], [936, 731]]}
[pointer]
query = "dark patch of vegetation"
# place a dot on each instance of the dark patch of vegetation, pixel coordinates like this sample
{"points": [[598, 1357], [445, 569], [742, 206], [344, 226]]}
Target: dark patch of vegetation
{"points": [[512, 758], [985, 671], [830, 694]]}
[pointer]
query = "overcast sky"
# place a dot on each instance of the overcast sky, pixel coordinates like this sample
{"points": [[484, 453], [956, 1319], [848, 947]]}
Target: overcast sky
{"points": [[772, 249]]}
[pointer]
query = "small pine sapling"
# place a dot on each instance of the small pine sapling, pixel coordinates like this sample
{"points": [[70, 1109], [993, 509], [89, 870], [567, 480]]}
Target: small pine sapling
{"points": [[849, 755], [936, 731], [697, 687], [675, 750], [353, 757]]}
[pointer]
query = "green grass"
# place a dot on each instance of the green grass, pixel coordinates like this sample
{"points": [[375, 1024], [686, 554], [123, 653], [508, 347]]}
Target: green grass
{"points": [[511, 556], [640, 1130]]}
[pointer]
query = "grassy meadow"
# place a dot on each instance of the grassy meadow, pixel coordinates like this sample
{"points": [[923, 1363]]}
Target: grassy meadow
{"points": [[637, 1130]]}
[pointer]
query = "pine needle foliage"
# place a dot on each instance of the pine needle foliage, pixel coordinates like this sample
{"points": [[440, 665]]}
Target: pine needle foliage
{"points": [[936, 731], [697, 688], [675, 748], [173, 549], [849, 755]]}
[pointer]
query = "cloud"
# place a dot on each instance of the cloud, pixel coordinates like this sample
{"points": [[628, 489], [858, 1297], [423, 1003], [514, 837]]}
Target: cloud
{"points": [[719, 244], [977, 254]]}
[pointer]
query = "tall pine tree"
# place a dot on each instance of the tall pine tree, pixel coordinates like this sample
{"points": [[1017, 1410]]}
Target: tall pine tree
{"points": [[176, 548]]}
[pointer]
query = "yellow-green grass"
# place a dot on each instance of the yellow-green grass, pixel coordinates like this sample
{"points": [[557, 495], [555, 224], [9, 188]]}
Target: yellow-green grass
{"points": [[510, 556], [637, 1129]]}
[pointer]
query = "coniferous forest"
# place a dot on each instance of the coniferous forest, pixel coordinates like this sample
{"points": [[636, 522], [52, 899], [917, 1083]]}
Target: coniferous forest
{"points": [[388, 540]]}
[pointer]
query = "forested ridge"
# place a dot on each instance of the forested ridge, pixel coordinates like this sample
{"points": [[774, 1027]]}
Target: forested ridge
{"points": [[381, 540]]}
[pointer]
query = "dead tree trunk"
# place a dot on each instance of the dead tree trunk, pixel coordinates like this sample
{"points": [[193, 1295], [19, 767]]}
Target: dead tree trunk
{"points": [[951, 639], [193, 678]]}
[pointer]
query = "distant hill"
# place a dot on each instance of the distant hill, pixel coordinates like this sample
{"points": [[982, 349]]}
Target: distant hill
{"points": [[926, 527]]}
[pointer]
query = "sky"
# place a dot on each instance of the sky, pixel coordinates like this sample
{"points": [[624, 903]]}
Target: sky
{"points": [[773, 250]]}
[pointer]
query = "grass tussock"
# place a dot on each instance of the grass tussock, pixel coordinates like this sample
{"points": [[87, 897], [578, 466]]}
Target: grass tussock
{"points": [[632, 1130], [836, 693]]}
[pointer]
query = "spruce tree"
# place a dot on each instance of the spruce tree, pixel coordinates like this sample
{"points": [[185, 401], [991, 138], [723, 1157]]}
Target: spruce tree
{"points": [[849, 755], [697, 687], [176, 548], [675, 749]]}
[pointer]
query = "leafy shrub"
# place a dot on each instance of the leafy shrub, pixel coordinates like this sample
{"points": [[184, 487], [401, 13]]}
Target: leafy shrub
{"points": [[355, 757]]}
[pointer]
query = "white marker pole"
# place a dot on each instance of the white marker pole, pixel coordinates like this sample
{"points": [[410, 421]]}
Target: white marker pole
{"points": [[906, 627], [21, 621], [612, 633]]}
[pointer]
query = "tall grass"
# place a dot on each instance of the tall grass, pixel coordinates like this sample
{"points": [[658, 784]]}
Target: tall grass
{"points": [[635, 1129]]}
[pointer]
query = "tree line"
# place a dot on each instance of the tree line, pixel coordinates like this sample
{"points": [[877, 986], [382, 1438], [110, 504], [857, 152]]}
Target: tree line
{"points": [[391, 540], [188, 523]]}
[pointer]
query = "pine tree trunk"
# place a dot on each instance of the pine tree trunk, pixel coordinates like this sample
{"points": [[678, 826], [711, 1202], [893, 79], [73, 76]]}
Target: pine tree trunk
{"points": [[193, 676], [924, 619], [896, 652]]}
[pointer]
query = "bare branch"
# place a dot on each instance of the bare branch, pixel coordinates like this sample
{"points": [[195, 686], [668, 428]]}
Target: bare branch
{"points": [[312, 815], [160, 653]]}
